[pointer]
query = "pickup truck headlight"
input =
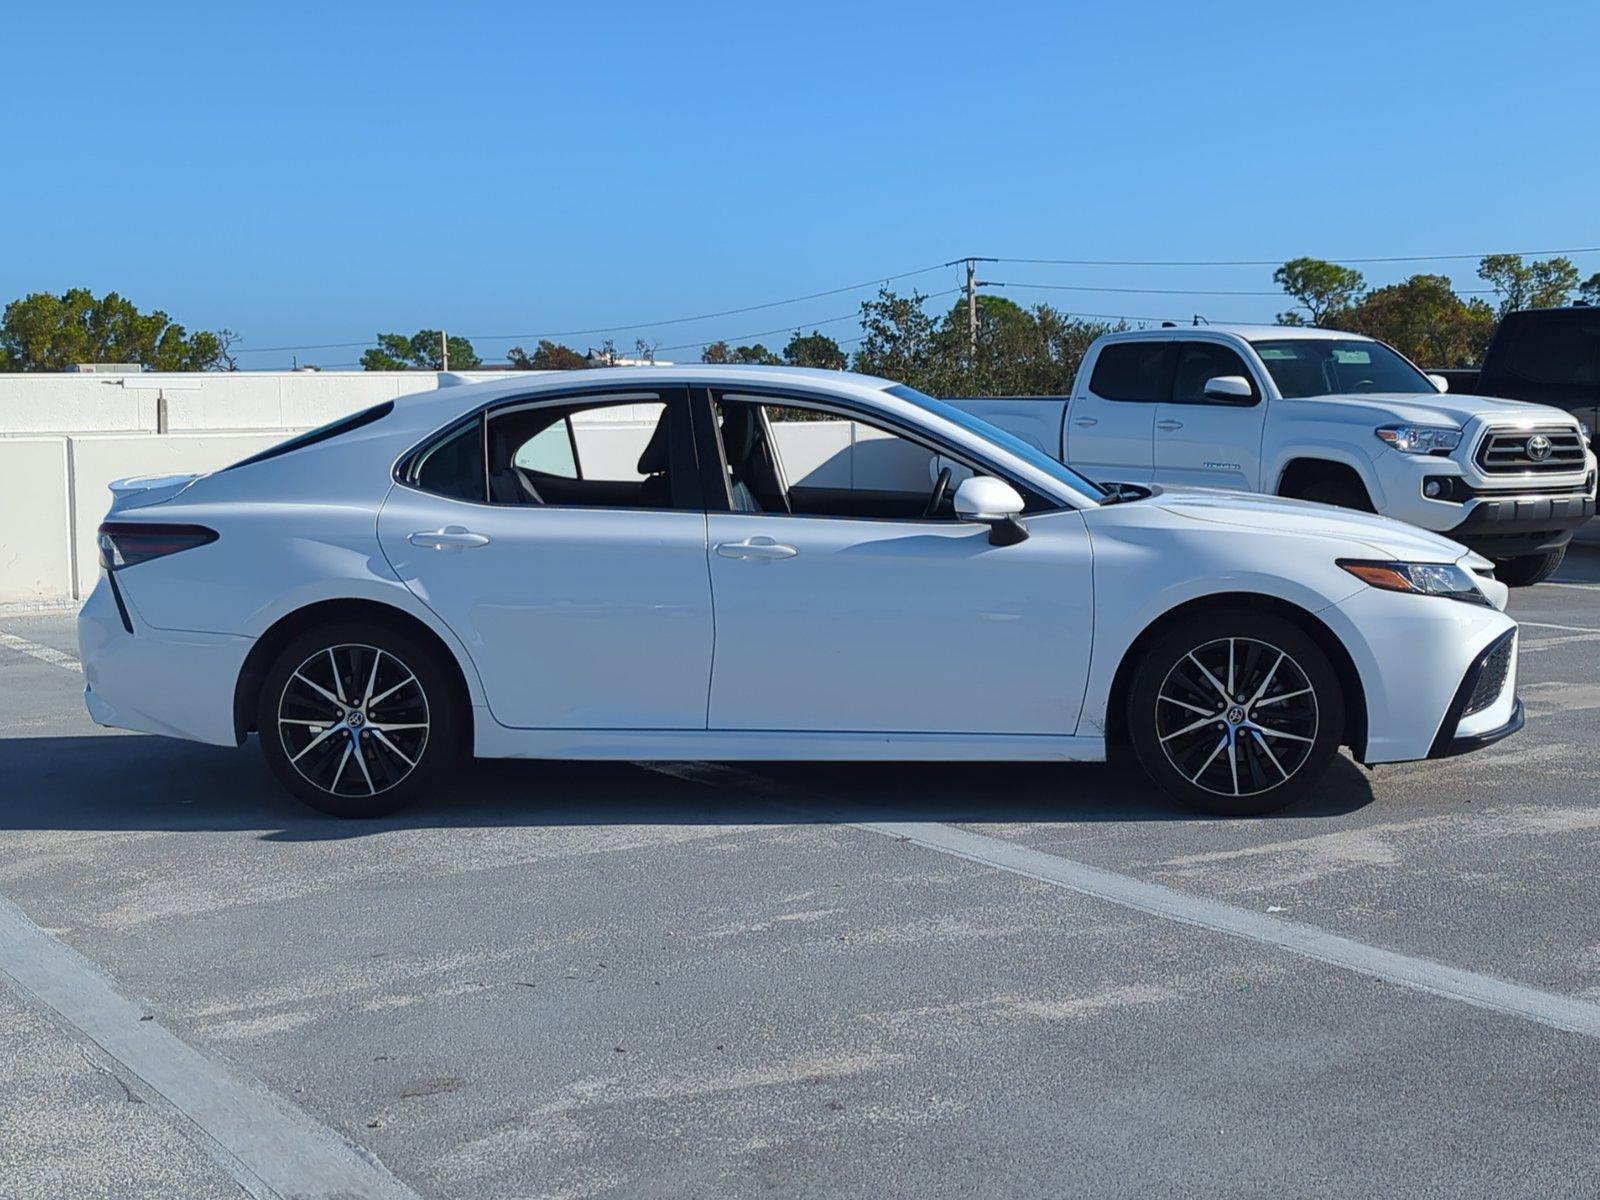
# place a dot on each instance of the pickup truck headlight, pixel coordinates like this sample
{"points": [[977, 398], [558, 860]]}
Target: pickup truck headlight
{"points": [[1422, 579], [1419, 439]]}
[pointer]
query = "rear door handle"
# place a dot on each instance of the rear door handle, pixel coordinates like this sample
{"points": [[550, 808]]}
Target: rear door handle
{"points": [[1169, 425], [451, 537], [756, 547], [1085, 422]]}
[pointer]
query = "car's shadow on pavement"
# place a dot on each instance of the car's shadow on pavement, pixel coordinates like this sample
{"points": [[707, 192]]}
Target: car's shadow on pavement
{"points": [[135, 782]]}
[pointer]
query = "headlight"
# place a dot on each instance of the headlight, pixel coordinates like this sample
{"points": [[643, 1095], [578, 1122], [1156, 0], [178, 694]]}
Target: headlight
{"points": [[1422, 579], [1419, 439]]}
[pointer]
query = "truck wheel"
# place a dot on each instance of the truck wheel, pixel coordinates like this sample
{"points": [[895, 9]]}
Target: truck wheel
{"points": [[1345, 494], [1236, 712], [1528, 569]]}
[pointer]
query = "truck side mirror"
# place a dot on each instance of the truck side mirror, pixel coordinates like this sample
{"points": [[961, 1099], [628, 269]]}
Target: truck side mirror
{"points": [[1229, 389], [1440, 383]]}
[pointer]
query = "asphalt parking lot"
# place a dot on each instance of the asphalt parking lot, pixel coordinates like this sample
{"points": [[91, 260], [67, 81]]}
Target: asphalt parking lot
{"points": [[619, 980]]}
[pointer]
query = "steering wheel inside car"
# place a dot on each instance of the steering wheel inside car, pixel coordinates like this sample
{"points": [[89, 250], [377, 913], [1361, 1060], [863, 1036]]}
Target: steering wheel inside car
{"points": [[939, 489]]}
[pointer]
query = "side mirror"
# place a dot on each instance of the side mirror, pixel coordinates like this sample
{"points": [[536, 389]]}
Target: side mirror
{"points": [[1440, 383], [1230, 389], [985, 500]]}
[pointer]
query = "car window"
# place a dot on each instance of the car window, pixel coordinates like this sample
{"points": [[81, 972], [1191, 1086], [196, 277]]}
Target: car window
{"points": [[453, 466], [552, 451], [1135, 371], [1304, 367], [789, 458], [1202, 361], [630, 450], [1563, 351]]}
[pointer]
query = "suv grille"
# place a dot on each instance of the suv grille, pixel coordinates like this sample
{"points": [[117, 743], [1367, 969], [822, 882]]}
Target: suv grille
{"points": [[1535, 450], [1490, 680]]}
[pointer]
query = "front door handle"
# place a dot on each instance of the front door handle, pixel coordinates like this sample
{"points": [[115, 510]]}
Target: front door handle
{"points": [[451, 537], [756, 547], [1169, 425], [1086, 422]]}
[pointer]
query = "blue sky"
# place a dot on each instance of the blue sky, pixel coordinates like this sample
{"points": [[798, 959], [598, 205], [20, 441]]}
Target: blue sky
{"points": [[314, 173]]}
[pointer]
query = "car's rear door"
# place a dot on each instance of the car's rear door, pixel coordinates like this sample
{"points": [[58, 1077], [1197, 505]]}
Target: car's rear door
{"points": [[842, 607], [563, 540], [1205, 442], [1110, 426]]}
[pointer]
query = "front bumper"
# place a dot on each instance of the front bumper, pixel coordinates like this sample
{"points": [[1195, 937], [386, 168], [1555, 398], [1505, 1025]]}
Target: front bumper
{"points": [[1485, 707], [1508, 526]]}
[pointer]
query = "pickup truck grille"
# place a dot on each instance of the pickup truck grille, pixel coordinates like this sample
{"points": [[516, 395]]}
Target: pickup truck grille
{"points": [[1531, 450]]}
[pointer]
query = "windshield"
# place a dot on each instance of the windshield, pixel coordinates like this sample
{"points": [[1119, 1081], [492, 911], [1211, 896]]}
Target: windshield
{"points": [[1332, 367], [1018, 448]]}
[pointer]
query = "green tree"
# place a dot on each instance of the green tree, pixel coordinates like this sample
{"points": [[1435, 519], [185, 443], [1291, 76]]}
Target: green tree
{"points": [[45, 332], [901, 342], [546, 356], [755, 356], [397, 352], [1322, 288], [1547, 283], [814, 349], [1425, 320], [1589, 289]]}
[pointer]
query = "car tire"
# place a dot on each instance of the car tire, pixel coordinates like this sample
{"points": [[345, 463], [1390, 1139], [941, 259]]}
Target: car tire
{"points": [[1528, 569], [360, 719], [1247, 752], [1344, 493]]}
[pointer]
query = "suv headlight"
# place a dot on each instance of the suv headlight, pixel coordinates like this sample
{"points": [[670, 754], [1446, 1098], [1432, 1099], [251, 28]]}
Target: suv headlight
{"points": [[1419, 439], [1422, 579]]}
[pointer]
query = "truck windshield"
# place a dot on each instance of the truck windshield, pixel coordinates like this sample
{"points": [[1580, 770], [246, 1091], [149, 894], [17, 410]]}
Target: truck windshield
{"points": [[1304, 367], [1028, 453]]}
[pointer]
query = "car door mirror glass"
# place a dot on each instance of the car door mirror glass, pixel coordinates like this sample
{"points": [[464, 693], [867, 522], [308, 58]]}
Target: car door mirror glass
{"points": [[1229, 389]]}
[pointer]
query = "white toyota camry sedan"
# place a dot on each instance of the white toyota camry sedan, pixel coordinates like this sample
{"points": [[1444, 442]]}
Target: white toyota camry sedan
{"points": [[760, 563]]}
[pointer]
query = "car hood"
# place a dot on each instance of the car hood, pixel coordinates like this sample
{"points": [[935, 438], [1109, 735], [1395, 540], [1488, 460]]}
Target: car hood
{"points": [[1245, 510], [1441, 409]]}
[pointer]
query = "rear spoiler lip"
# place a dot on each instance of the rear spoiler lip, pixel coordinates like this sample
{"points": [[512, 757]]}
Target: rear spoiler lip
{"points": [[132, 485]]}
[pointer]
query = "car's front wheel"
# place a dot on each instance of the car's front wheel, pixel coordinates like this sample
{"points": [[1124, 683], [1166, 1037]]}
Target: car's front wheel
{"points": [[359, 720], [1236, 712]]}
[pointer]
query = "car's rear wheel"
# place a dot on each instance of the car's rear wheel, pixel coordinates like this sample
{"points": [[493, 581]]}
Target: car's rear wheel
{"points": [[1236, 712], [359, 720], [1528, 569]]}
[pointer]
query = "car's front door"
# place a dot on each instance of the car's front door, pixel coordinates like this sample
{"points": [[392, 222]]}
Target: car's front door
{"points": [[1209, 442], [564, 542], [1110, 426], [844, 605]]}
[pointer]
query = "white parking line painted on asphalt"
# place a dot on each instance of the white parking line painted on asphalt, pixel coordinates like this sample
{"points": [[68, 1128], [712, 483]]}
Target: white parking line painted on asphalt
{"points": [[1577, 587], [1408, 971], [1547, 625], [270, 1147], [49, 654], [1419, 974]]}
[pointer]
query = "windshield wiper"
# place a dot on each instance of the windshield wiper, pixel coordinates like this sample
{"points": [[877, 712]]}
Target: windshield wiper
{"points": [[1116, 493]]}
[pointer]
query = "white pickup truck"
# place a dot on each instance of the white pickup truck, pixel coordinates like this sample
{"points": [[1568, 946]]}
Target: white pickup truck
{"points": [[1319, 415]]}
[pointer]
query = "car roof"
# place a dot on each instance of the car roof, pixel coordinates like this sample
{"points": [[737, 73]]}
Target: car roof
{"points": [[1250, 333], [425, 407]]}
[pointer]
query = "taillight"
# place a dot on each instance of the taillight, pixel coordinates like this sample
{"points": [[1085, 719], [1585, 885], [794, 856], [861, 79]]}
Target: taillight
{"points": [[129, 543]]}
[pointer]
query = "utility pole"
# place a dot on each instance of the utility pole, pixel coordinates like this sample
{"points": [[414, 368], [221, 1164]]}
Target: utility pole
{"points": [[444, 350], [973, 284]]}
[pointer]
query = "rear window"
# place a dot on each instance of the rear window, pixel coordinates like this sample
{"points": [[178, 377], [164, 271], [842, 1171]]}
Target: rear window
{"points": [[1131, 371], [1565, 350], [322, 433], [454, 466]]}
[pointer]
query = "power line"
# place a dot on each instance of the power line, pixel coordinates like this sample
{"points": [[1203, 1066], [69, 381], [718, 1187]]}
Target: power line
{"points": [[1277, 262], [1077, 287], [793, 326]]}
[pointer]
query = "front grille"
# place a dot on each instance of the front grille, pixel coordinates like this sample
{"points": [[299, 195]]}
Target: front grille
{"points": [[1491, 680], [1507, 450]]}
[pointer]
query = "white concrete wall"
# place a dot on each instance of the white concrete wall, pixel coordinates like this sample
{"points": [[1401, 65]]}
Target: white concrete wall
{"points": [[35, 520], [211, 400]]}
